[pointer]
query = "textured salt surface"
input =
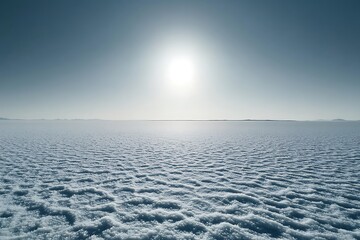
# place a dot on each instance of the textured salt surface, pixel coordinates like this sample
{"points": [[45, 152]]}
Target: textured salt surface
{"points": [[207, 180]]}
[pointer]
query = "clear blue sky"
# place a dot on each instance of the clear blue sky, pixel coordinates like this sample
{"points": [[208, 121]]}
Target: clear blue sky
{"points": [[265, 59]]}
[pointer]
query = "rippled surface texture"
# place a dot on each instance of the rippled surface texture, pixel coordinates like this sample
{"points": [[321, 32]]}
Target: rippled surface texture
{"points": [[179, 180]]}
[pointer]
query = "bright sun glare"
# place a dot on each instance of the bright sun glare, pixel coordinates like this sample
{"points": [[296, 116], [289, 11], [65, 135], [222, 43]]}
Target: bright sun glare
{"points": [[180, 72]]}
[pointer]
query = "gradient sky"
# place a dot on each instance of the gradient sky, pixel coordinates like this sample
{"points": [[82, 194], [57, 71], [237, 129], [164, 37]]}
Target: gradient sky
{"points": [[255, 59]]}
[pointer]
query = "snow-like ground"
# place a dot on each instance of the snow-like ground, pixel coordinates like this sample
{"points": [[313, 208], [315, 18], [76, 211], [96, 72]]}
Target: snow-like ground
{"points": [[179, 180]]}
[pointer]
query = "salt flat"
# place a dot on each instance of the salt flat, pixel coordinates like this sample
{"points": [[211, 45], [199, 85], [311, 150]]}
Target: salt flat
{"points": [[179, 180]]}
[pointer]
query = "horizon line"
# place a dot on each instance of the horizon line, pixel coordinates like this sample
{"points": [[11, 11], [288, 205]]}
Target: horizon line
{"points": [[180, 120]]}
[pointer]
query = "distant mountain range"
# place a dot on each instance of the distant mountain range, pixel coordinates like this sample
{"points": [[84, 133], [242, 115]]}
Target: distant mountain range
{"points": [[339, 120]]}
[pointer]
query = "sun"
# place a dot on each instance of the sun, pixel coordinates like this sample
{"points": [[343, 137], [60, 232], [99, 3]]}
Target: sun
{"points": [[180, 72]]}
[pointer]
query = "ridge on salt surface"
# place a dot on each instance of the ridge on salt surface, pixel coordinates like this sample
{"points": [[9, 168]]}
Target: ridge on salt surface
{"points": [[179, 180]]}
